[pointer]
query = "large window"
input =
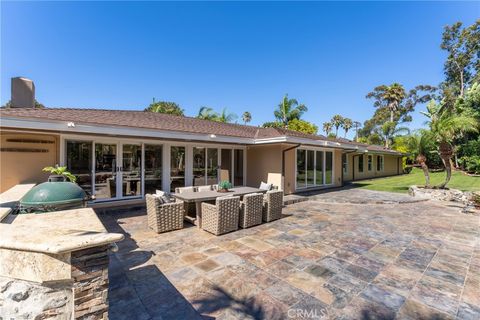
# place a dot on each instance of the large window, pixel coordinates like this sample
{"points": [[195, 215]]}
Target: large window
{"points": [[153, 168], [379, 163], [79, 162], [238, 167], [131, 170], [314, 168], [360, 163], [370, 162], [205, 166]]}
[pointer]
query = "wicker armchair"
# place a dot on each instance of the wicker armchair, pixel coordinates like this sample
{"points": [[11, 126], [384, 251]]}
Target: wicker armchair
{"points": [[221, 217], [163, 217], [272, 205], [251, 210]]}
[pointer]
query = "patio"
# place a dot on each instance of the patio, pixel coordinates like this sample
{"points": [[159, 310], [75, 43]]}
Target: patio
{"points": [[322, 260]]}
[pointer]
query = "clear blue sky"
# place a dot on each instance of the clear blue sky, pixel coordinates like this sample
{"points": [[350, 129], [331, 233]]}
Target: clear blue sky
{"points": [[243, 56]]}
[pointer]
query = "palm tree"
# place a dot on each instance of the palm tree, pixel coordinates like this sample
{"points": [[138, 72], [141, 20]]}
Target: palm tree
{"points": [[246, 117], [356, 125], [288, 110], [327, 128], [206, 113], [224, 116], [417, 144], [347, 125], [445, 127], [388, 97], [337, 121], [389, 130]]}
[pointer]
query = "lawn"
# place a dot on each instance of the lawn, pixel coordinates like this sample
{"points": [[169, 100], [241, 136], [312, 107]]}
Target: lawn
{"points": [[401, 183]]}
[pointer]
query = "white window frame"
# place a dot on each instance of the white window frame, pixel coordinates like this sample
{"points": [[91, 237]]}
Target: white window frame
{"points": [[324, 150], [369, 162]]}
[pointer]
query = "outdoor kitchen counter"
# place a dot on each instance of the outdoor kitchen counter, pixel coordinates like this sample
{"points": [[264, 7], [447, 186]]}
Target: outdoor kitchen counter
{"points": [[56, 232]]}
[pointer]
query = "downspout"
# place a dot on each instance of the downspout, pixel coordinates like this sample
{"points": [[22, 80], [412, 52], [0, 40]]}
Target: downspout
{"points": [[283, 162]]}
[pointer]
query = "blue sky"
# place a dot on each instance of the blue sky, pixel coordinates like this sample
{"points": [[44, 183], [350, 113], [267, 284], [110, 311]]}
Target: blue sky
{"points": [[243, 56]]}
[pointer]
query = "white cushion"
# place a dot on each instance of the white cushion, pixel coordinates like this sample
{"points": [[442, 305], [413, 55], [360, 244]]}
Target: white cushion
{"points": [[162, 196], [265, 186], [204, 188]]}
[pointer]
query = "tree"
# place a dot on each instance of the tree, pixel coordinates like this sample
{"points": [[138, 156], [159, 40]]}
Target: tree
{"points": [[347, 125], [302, 126], [272, 124], [206, 113], [165, 107], [337, 121], [388, 97], [463, 47], [327, 128], [225, 116], [389, 130], [356, 126], [288, 110], [246, 117], [445, 126]]}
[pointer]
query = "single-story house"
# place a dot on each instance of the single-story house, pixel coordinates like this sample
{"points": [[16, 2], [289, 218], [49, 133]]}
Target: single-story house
{"points": [[120, 155]]}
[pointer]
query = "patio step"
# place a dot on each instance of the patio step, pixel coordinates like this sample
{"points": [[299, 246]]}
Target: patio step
{"points": [[293, 198]]}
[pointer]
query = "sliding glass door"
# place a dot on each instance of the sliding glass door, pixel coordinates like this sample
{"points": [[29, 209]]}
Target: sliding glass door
{"points": [[131, 170], [153, 168], [314, 168], [177, 167], [79, 162]]}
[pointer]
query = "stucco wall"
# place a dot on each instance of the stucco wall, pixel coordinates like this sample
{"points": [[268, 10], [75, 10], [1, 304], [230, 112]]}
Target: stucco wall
{"points": [[262, 160], [23, 156], [390, 167]]}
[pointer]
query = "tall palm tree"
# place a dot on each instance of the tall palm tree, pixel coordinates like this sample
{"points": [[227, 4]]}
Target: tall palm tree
{"points": [[347, 125], [388, 97], [417, 144], [246, 117], [445, 127], [206, 113], [288, 110], [225, 116], [356, 125], [327, 128], [337, 121]]}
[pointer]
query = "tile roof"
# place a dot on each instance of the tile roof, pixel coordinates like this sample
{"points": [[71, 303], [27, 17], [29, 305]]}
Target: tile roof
{"points": [[167, 122]]}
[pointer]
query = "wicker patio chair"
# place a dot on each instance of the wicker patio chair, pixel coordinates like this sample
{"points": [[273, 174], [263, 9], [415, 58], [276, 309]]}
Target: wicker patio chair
{"points": [[185, 189], [221, 217], [189, 207], [163, 217], [251, 210], [272, 205], [204, 188]]}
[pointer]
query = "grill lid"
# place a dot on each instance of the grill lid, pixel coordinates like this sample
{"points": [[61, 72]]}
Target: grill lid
{"points": [[53, 193]]}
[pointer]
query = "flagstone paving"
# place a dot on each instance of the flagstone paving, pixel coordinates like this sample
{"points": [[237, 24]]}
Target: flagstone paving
{"points": [[322, 260]]}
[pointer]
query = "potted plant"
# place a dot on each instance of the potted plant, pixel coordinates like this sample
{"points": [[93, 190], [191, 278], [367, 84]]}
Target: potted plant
{"points": [[59, 174], [224, 185]]}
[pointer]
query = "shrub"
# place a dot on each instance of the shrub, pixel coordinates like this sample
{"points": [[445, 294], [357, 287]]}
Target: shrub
{"points": [[471, 164], [224, 185]]}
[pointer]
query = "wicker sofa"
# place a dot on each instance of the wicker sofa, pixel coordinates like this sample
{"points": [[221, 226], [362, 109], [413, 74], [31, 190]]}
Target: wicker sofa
{"points": [[163, 217], [272, 205], [222, 217], [251, 210]]}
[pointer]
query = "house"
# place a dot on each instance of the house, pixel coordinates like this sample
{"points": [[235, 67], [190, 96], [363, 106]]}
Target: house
{"points": [[121, 155]]}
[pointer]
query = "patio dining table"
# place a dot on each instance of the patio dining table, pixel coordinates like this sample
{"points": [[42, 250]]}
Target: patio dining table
{"points": [[201, 196]]}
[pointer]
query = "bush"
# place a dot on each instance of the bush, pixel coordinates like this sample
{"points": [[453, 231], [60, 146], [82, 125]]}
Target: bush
{"points": [[407, 169], [471, 164]]}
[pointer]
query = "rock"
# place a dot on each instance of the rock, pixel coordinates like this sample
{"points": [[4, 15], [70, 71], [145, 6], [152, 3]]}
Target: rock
{"points": [[454, 195]]}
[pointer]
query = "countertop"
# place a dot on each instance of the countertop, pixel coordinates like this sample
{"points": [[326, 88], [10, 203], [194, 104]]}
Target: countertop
{"points": [[56, 232]]}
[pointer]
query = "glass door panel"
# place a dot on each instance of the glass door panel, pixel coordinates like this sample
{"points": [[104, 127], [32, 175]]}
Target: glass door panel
{"points": [[226, 172], [79, 162], [328, 167], [153, 168], [319, 168], [131, 170], [212, 166], [199, 166], [238, 167], [310, 168], [105, 171], [301, 163], [177, 167]]}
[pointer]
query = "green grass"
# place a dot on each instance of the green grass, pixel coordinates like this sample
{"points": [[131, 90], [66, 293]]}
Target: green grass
{"points": [[401, 183]]}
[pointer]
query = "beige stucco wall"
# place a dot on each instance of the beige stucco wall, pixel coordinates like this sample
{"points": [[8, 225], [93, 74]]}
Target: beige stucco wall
{"points": [[17, 166], [390, 167], [262, 160]]}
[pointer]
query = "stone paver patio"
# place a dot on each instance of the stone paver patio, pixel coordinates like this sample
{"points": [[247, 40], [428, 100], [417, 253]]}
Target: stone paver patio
{"points": [[322, 260]]}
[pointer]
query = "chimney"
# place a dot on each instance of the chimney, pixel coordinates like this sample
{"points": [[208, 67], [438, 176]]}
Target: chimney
{"points": [[23, 93]]}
